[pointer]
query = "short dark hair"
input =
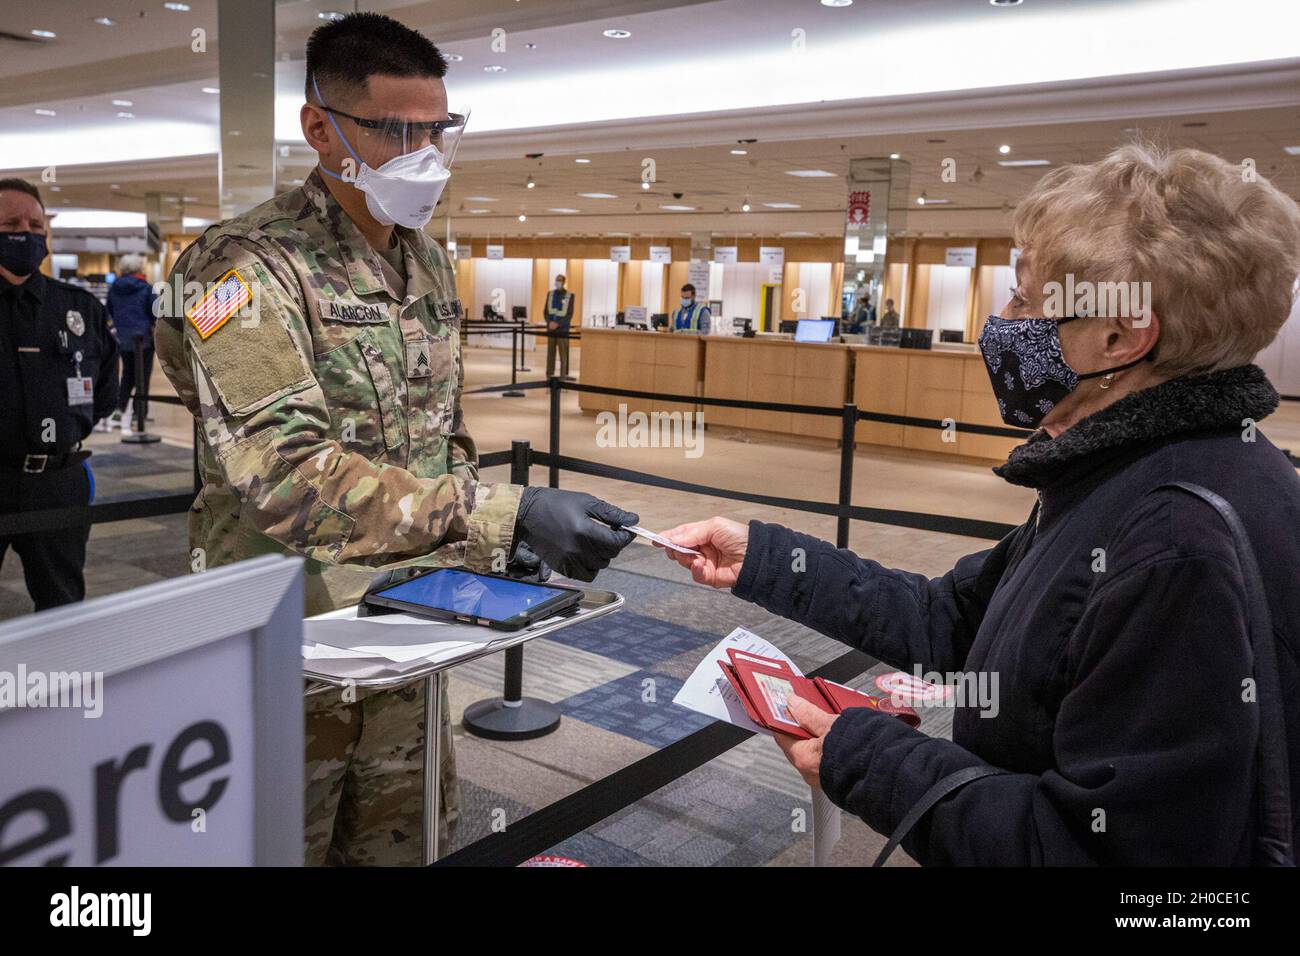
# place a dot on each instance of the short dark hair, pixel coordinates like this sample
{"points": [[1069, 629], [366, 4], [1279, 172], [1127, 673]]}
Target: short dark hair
{"points": [[689, 288], [346, 52], [22, 186], [560, 276]]}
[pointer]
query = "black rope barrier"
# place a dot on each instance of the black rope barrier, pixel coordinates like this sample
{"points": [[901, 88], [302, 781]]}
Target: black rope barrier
{"points": [[921, 521], [571, 815]]}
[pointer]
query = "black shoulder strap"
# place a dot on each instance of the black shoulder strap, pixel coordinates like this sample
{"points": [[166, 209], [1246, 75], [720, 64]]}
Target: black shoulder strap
{"points": [[932, 796], [1272, 845]]}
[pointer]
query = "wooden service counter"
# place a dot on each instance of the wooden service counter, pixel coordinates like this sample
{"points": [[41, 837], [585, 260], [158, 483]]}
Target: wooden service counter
{"points": [[642, 361], [937, 384], [776, 370], [934, 384]]}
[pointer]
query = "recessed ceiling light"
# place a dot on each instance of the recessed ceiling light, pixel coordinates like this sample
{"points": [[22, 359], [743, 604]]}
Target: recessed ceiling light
{"points": [[212, 90], [189, 199], [740, 152], [1004, 149], [782, 205], [808, 173], [582, 159], [479, 212], [45, 112], [598, 195], [797, 233], [893, 155], [530, 46], [123, 114], [644, 184], [114, 186], [482, 198], [106, 21], [1293, 150], [124, 103], [618, 34], [675, 208], [178, 7], [926, 201], [1005, 3], [523, 217], [563, 209], [1024, 162], [494, 68], [44, 34], [330, 15], [452, 57], [837, 3], [744, 207], [55, 189]]}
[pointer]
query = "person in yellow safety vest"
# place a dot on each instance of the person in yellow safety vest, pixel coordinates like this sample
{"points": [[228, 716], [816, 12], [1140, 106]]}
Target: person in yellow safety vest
{"points": [[692, 316], [559, 313]]}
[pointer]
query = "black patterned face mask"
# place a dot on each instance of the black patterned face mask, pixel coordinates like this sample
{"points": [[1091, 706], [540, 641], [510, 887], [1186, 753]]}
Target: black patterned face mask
{"points": [[1025, 365]]}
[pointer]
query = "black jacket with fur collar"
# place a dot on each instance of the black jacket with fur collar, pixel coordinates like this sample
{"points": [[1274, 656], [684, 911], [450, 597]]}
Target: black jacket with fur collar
{"points": [[1115, 624]]}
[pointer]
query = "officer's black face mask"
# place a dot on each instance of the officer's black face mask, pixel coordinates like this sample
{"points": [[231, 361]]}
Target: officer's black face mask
{"points": [[22, 252]]}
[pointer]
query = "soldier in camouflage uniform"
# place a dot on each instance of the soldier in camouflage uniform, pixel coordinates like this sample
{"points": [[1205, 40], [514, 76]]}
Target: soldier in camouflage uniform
{"points": [[325, 372]]}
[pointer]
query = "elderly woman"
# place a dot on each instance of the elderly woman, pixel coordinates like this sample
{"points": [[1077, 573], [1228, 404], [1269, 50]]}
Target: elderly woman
{"points": [[1136, 723]]}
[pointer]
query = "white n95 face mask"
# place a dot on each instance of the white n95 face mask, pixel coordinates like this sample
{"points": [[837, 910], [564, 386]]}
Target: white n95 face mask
{"points": [[404, 190]]}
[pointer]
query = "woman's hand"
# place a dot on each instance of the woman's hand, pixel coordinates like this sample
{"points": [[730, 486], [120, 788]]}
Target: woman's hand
{"points": [[806, 755], [721, 543]]}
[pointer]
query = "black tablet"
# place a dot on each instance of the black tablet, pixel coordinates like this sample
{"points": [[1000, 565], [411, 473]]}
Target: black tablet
{"points": [[490, 599]]}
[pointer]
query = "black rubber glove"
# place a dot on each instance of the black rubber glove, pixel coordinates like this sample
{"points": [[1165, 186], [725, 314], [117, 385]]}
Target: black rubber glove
{"points": [[527, 566], [571, 530]]}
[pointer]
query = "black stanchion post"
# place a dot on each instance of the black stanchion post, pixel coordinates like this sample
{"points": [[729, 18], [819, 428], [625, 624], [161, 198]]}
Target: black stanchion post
{"points": [[522, 366], [553, 473], [512, 716], [516, 331], [140, 436], [848, 427]]}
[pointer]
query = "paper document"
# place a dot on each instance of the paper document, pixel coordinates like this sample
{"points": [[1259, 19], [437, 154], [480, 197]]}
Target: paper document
{"points": [[707, 691], [657, 539]]}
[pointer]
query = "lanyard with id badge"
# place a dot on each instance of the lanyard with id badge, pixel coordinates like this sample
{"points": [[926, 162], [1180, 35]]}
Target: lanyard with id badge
{"points": [[81, 388]]}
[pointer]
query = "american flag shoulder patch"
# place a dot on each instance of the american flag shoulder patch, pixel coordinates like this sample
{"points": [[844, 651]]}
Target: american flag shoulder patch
{"points": [[223, 300]]}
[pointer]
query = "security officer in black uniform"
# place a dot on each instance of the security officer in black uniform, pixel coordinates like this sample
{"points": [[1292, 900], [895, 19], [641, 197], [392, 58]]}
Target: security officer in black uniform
{"points": [[58, 376]]}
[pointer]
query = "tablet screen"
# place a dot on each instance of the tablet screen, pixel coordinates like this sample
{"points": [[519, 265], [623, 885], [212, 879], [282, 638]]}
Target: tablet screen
{"points": [[464, 592]]}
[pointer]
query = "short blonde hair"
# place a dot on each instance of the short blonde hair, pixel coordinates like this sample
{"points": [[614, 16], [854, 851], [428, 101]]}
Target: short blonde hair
{"points": [[1219, 246]]}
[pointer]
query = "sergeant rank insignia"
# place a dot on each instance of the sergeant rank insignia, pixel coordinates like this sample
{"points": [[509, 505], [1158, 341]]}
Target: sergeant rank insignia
{"points": [[223, 300]]}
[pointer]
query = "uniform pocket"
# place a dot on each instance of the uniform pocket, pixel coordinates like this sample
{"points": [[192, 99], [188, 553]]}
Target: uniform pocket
{"points": [[362, 393]]}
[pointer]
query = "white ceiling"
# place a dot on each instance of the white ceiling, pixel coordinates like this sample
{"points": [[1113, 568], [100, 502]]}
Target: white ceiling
{"points": [[1041, 77]]}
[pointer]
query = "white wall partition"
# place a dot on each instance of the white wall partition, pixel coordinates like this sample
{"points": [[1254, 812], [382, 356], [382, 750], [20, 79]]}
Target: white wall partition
{"points": [[652, 286], [740, 284], [1281, 360], [949, 286], [502, 284], [599, 288]]}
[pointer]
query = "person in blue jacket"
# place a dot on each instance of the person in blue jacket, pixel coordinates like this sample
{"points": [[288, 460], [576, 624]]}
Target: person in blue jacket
{"points": [[1133, 713], [693, 316], [131, 307]]}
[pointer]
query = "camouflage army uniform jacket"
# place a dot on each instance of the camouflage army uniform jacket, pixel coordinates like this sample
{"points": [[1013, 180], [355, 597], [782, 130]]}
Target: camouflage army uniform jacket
{"points": [[328, 404]]}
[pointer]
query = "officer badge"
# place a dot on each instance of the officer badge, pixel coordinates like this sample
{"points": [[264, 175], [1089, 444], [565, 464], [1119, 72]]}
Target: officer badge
{"points": [[76, 324]]}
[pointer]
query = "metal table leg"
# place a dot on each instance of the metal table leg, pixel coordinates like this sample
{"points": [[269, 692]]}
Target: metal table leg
{"points": [[432, 766]]}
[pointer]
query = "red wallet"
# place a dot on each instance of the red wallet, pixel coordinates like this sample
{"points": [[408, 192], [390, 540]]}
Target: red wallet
{"points": [[764, 685]]}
